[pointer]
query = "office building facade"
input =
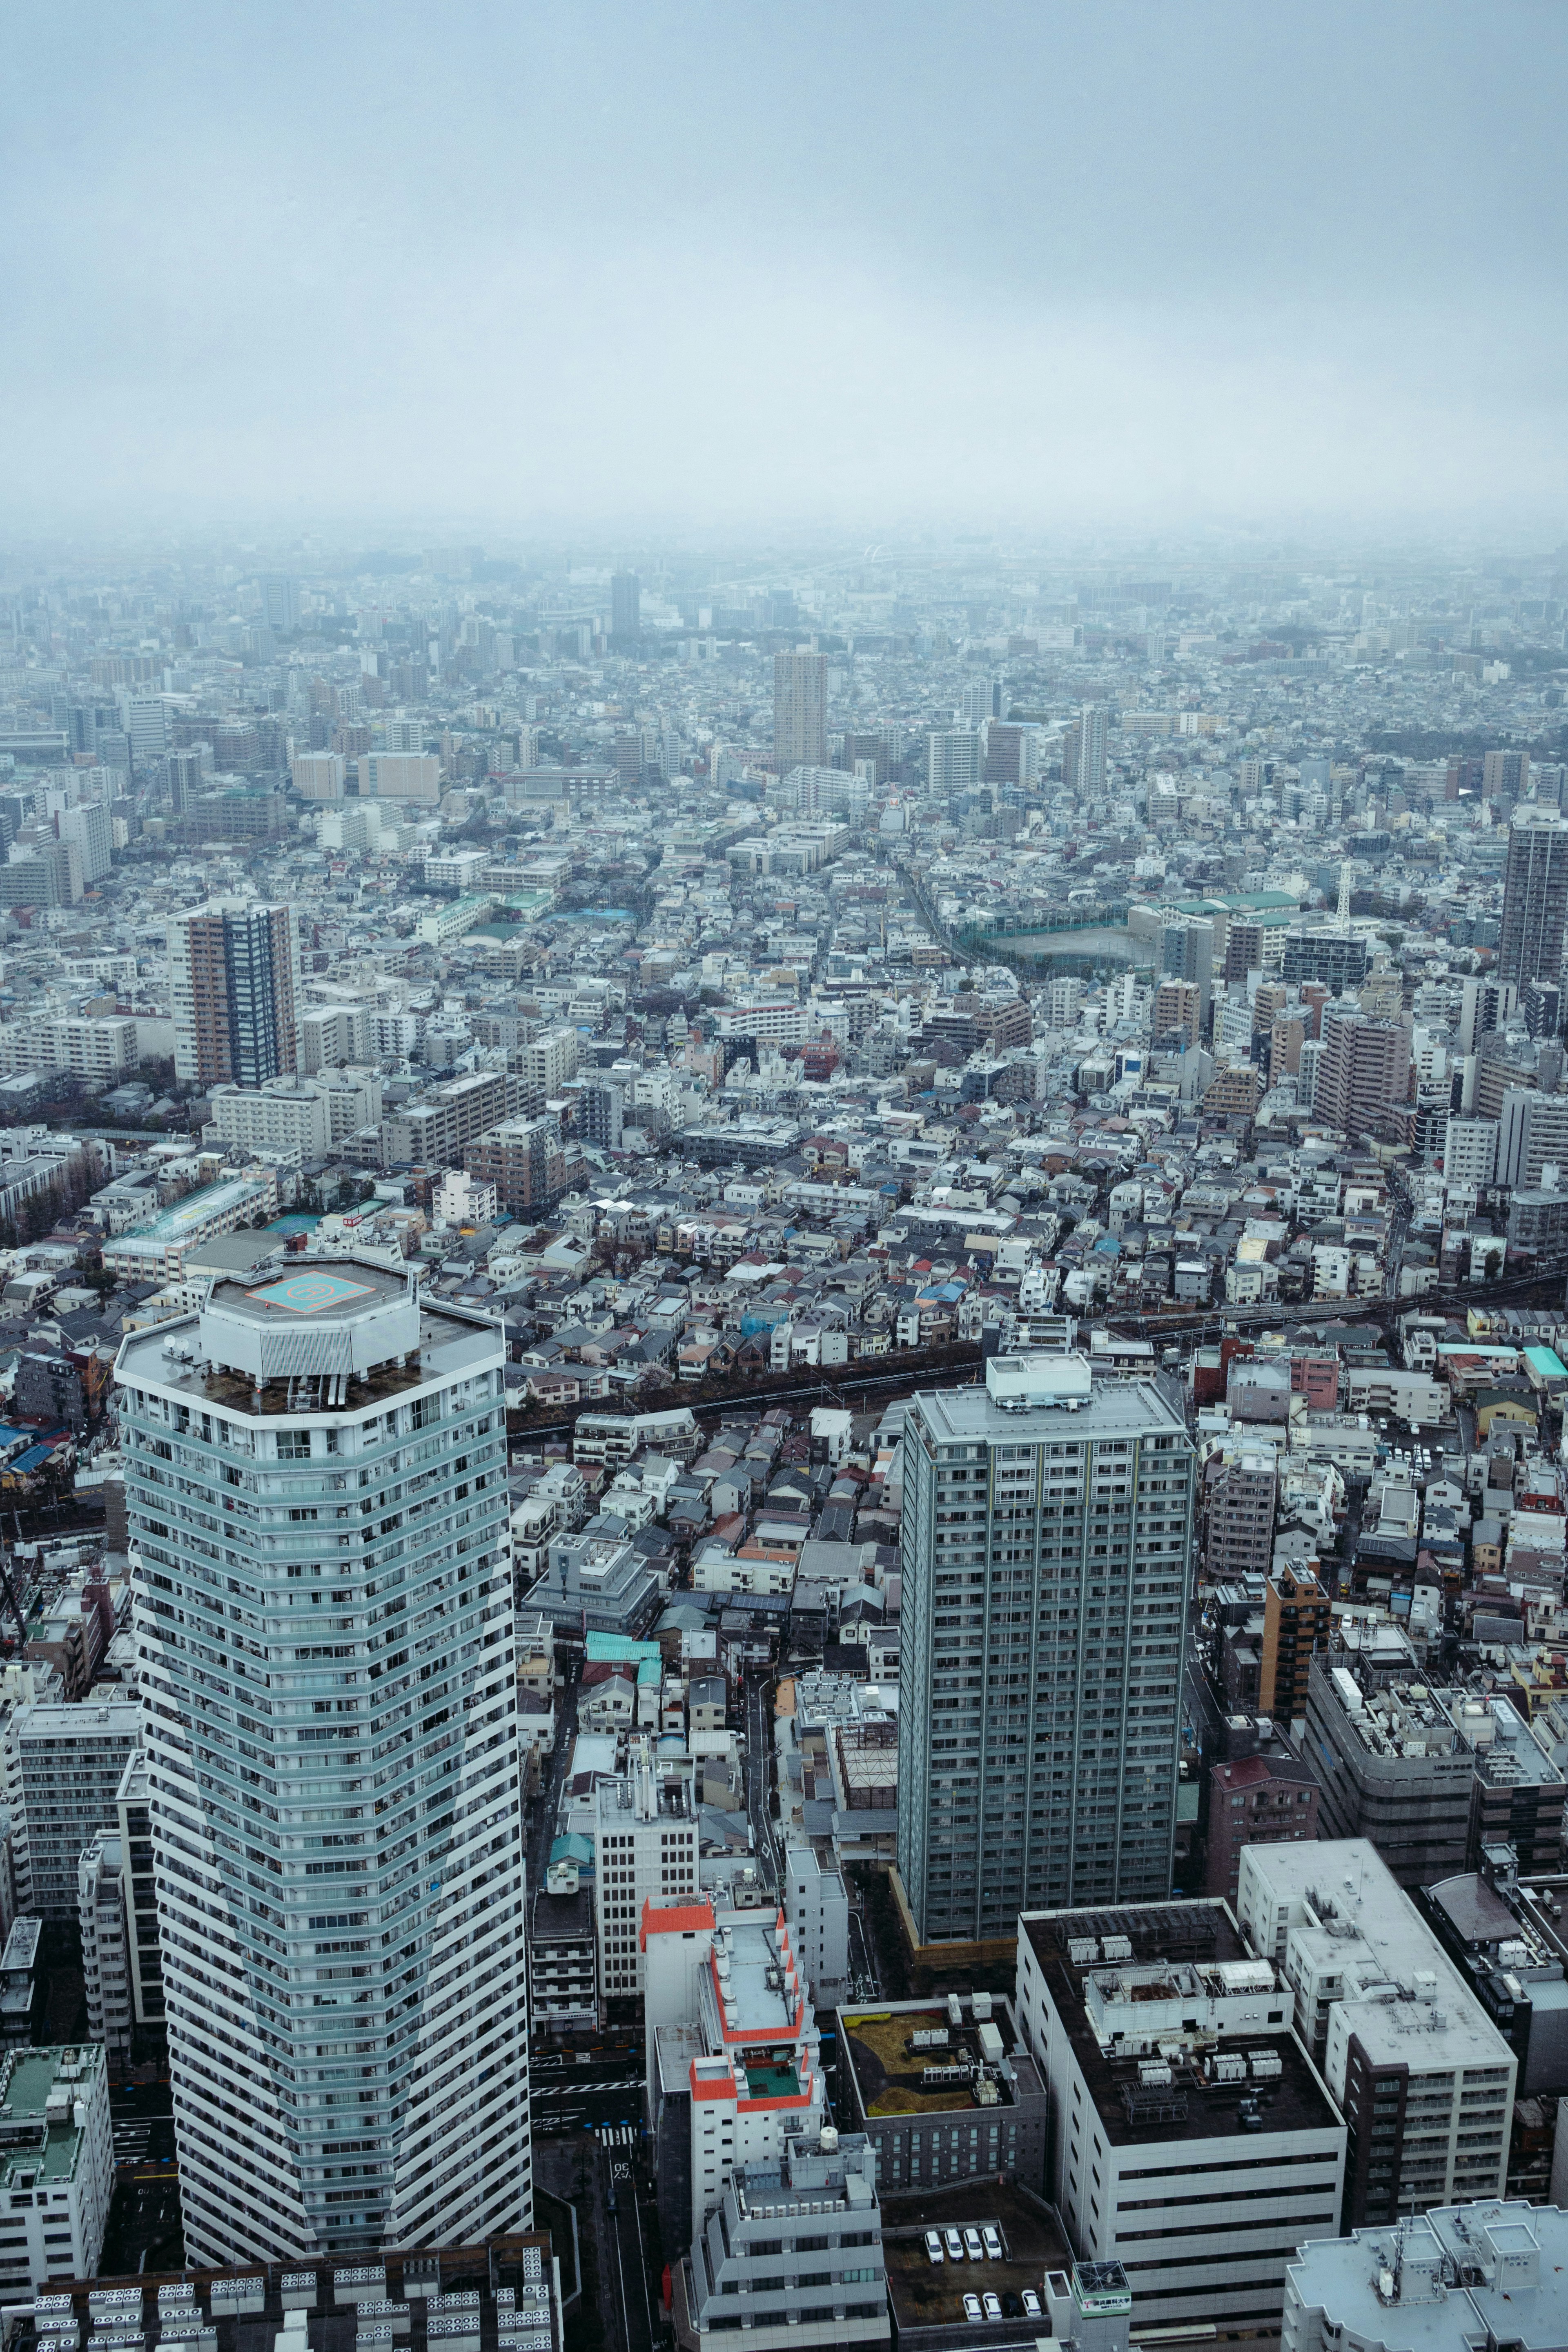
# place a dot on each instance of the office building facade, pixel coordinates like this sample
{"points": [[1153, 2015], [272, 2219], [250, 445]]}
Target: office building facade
{"points": [[1193, 2140], [234, 979], [1045, 1564], [316, 1498]]}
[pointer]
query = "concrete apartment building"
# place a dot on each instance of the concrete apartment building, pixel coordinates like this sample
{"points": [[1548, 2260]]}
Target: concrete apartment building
{"points": [[105, 1947], [1432, 1776], [320, 1393], [1046, 1535], [1296, 1615], [799, 2239], [563, 1955], [307, 1116], [1266, 1799], [1532, 1135], [1363, 1075], [1534, 897], [1194, 2139], [435, 1131], [1421, 2074], [523, 1159], [816, 1905], [800, 710], [1237, 1514], [64, 1767], [234, 985]]}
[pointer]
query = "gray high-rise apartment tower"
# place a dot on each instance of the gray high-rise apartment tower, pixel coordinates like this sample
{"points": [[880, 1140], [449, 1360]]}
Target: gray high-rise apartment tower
{"points": [[625, 604], [1083, 751], [800, 710], [316, 1497], [1534, 897], [234, 984], [1046, 1574]]}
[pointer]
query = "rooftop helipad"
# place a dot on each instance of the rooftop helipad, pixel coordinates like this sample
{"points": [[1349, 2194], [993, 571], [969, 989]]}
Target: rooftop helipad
{"points": [[308, 1294]]}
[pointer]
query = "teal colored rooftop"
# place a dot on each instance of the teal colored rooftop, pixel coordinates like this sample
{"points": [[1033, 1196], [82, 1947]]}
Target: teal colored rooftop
{"points": [[34, 2145], [1547, 1363], [620, 1650], [772, 2082]]}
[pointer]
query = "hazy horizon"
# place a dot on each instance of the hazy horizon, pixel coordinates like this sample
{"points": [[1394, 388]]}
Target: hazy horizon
{"points": [[716, 271]]}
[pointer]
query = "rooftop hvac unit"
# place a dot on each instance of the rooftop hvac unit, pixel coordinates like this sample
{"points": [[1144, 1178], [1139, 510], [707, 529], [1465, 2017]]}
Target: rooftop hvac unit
{"points": [[979, 2004], [1228, 2066], [954, 2009], [1154, 2074], [1082, 1952], [1266, 2065], [1116, 1948]]}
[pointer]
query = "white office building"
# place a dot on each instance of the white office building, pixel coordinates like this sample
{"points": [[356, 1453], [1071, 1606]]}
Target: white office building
{"points": [[1193, 2140], [316, 1489], [645, 1851]]}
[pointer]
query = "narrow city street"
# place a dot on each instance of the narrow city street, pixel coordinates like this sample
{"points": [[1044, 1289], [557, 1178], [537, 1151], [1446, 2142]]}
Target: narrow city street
{"points": [[759, 1777]]}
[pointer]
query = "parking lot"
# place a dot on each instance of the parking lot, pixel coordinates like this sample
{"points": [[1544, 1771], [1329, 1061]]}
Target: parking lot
{"points": [[931, 2294]]}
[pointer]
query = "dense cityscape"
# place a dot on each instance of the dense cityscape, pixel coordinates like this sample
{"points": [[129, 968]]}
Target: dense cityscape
{"points": [[758, 1310]]}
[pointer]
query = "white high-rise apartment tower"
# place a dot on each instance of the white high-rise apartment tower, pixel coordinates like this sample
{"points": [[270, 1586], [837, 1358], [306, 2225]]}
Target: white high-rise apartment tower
{"points": [[316, 1489], [1045, 1532]]}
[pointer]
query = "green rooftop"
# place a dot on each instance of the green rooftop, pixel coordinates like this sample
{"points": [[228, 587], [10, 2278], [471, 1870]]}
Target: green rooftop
{"points": [[32, 2141], [771, 2081]]}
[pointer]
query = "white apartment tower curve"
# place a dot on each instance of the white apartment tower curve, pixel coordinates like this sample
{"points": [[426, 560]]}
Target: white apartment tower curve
{"points": [[316, 1491]]}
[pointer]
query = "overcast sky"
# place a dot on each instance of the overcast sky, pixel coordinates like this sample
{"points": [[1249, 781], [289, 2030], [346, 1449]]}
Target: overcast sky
{"points": [[703, 267]]}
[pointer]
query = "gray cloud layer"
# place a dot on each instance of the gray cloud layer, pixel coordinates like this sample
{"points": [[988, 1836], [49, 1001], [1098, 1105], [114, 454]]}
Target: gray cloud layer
{"points": [[710, 266]]}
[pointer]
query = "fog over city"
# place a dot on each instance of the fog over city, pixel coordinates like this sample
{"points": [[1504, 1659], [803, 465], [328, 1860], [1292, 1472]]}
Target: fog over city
{"points": [[784, 1177], [726, 267]]}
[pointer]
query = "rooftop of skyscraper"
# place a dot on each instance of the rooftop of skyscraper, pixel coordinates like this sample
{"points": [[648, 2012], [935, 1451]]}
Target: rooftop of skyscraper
{"points": [[337, 1335]]}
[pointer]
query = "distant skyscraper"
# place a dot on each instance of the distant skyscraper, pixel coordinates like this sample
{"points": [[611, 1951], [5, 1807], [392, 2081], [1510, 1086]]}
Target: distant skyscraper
{"points": [[625, 604], [184, 774], [1045, 1577], [953, 759], [1534, 899], [88, 824], [280, 601], [144, 718], [1083, 753], [235, 983], [800, 710], [323, 1619]]}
